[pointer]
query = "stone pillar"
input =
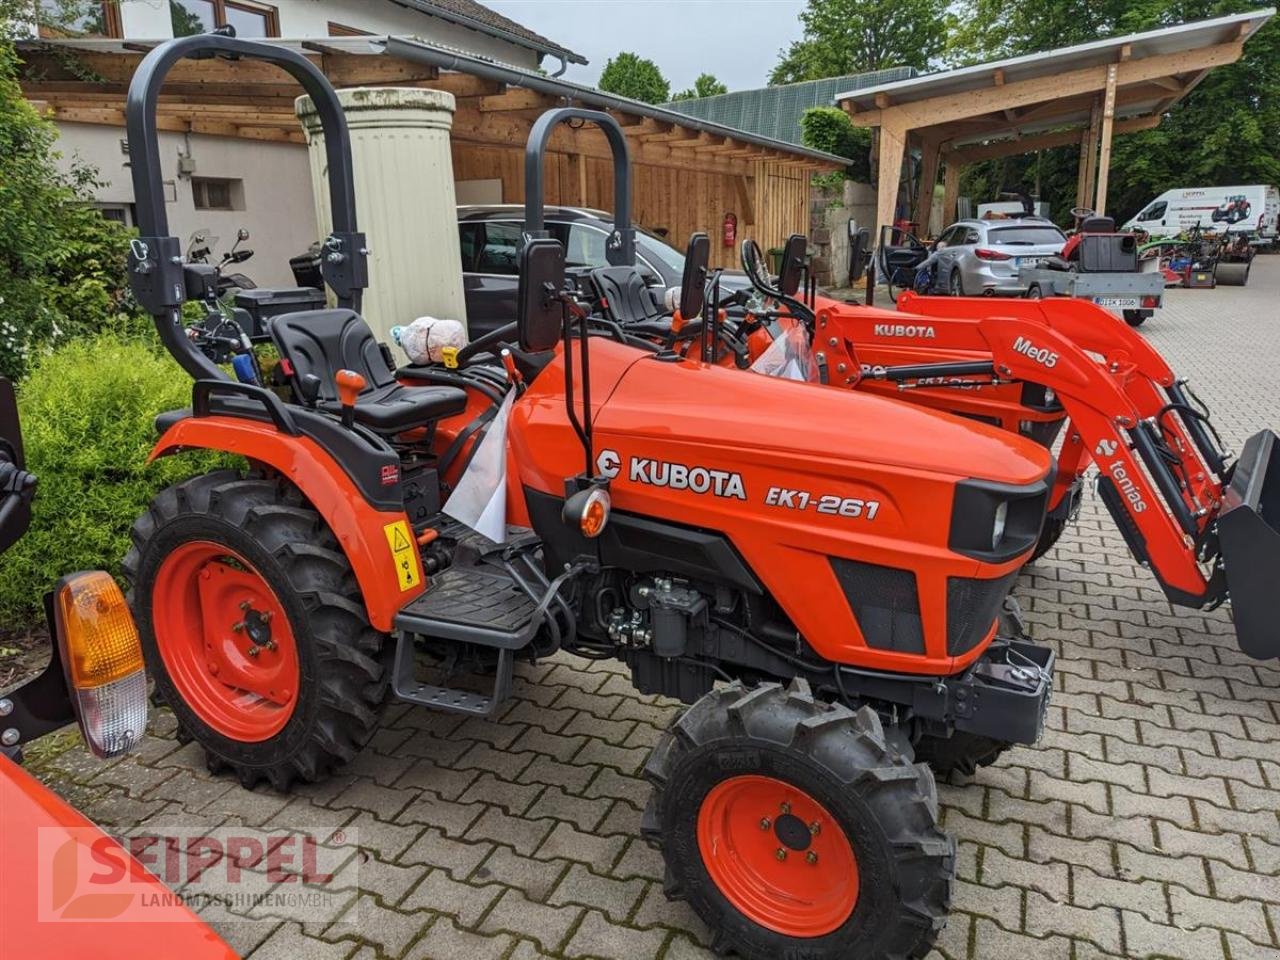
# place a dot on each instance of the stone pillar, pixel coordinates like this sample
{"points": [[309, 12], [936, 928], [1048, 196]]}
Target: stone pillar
{"points": [[405, 200]]}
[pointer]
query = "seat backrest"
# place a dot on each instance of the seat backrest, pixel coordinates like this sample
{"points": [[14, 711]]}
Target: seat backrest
{"points": [[1097, 224], [322, 342], [628, 297], [1108, 253]]}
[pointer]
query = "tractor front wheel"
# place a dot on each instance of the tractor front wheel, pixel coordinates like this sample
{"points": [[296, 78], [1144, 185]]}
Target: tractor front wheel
{"points": [[794, 827], [253, 628]]}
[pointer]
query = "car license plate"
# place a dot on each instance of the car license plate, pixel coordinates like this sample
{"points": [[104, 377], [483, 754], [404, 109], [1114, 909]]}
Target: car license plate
{"points": [[1117, 303], [1031, 261]]}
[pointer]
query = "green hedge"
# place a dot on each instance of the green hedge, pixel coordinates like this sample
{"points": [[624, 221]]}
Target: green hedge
{"points": [[88, 411], [831, 130]]}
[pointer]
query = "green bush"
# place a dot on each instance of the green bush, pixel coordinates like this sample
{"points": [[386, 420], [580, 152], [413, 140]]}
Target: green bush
{"points": [[831, 130], [62, 265], [88, 411]]}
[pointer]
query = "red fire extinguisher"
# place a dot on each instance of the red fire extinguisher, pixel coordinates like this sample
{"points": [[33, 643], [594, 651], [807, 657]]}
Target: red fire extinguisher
{"points": [[730, 229]]}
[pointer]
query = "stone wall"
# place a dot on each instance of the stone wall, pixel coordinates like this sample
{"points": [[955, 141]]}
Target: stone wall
{"points": [[830, 212]]}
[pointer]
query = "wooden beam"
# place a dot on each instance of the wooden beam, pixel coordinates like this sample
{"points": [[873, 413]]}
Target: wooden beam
{"points": [[998, 77], [1104, 160], [893, 146], [465, 85], [515, 100], [1088, 155], [950, 190], [929, 149], [1126, 51], [1172, 84], [743, 189], [1022, 93], [882, 100], [976, 153]]}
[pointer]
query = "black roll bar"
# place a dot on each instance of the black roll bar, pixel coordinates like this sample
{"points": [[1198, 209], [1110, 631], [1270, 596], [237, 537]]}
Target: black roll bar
{"points": [[155, 258], [621, 247]]}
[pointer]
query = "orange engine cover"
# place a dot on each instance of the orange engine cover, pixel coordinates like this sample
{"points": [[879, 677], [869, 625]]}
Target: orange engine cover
{"points": [[791, 473]]}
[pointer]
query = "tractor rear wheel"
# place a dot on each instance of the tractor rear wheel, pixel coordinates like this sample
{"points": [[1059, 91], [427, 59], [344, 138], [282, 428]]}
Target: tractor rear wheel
{"points": [[254, 629], [793, 826]]}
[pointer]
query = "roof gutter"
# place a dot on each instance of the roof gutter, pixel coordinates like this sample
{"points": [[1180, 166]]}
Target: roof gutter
{"points": [[419, 52], [564, 55]]}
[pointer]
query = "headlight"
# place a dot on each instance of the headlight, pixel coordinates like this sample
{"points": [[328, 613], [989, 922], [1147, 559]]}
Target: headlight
{"points": [[997, 530], [1049, 396]]}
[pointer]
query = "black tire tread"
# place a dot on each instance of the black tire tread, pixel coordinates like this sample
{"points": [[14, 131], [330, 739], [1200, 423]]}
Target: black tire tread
{"points": [[352, 657], [852, 747]]}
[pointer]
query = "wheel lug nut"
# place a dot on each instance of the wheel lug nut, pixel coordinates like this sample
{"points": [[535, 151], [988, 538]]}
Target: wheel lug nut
{"points": [[252, 651], [815, 828], [244, 604], [786, 807], [811, 857], [765, 823], [781, 854], [238, 627]]}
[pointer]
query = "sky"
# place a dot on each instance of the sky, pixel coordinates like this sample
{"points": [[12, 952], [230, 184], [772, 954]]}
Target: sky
{"points": [[736, 40]]}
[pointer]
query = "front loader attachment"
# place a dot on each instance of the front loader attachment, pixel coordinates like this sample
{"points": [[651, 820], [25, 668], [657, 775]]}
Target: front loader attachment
{"points": [[1249, 544]]}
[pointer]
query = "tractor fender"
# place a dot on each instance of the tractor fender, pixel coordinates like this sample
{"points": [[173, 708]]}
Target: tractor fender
{"points": [[369, 537]]}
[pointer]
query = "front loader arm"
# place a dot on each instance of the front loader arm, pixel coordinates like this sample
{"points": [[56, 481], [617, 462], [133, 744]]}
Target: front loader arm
{"points": [[1113, 412]]}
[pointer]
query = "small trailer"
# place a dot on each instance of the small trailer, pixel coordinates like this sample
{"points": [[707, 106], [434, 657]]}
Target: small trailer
{"points": [[1101, 265]]}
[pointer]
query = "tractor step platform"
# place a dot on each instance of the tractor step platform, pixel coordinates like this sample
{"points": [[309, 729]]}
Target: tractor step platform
{"points": [[478, 604], [449, 699]]}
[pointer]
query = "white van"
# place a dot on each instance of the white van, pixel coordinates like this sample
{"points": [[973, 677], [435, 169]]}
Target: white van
{"points": [[1251, 209]]}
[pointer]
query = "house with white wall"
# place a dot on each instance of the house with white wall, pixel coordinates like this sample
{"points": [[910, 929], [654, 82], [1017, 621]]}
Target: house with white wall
{"points": [[220, 184]]}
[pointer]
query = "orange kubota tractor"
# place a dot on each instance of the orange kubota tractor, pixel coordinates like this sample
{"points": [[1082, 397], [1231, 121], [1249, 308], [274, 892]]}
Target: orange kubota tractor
{"points": [[820, 573], [1207, 525]]}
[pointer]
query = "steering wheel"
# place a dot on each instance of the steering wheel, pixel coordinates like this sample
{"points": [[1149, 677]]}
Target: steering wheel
{"points": [[490, 339], [1079, 213], [753, 266]]}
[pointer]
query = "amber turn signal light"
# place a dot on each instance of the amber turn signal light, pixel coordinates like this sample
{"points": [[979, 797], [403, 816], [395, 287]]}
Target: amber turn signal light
{"points": [[588, 510], [102, 659]]}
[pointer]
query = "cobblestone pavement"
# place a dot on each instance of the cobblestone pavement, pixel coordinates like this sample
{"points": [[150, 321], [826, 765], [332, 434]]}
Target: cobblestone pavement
{"points": [[1144, 825]]}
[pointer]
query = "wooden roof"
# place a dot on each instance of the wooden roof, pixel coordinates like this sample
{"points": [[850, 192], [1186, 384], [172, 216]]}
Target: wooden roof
{"points": [[85, 81]]}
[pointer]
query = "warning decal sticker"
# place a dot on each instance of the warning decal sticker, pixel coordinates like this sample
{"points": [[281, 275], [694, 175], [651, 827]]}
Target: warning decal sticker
{"points": [[400, 540]]}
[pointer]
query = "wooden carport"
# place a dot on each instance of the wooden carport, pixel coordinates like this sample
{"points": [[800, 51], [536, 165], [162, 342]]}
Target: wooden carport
{"points": [[1076, 95], [688, 173]]}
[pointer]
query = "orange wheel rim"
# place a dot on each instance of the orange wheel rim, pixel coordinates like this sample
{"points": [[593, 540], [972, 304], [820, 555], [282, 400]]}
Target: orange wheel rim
{"points": [[778, 856], [225, 641]]}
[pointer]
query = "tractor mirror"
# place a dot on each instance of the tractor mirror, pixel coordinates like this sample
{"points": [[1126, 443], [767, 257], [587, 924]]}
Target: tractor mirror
{"points": [[541, 316], [693, 284], [793, 259]]}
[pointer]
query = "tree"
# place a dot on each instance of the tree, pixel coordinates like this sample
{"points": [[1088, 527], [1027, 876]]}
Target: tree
{"points": [[705, 86], [61, 263], [629, 75], [855, 36]]}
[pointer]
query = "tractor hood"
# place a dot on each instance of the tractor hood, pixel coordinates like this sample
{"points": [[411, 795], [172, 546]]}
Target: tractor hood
{"points": [[791, 422]]}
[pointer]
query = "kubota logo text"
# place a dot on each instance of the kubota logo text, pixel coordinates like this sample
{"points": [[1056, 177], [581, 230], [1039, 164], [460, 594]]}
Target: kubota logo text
{"points": [[921, 331], [1041, 355], [677, 476]]}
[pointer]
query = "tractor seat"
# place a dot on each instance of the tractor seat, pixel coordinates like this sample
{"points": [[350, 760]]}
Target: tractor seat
{"points": [[321, 342], [627, 298]]}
